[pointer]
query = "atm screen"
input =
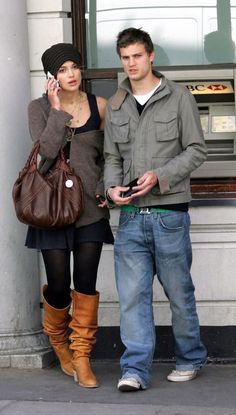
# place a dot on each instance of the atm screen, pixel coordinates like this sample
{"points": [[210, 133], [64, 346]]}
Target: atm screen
{"points": [[223, 124]]}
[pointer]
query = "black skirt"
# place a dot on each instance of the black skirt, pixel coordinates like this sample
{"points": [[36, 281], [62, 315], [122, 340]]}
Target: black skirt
{"points": [[69, 237]]}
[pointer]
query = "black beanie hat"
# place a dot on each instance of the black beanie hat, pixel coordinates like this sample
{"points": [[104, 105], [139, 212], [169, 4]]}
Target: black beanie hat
{"points": [[54, 57]]}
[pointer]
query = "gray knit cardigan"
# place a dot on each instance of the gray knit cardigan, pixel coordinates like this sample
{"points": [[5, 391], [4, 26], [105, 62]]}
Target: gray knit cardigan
{"points": [[48, 126]]}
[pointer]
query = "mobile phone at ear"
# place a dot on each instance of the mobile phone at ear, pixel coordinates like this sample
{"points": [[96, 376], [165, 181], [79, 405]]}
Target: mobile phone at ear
{"points": [[49, 75], [130, 191]]}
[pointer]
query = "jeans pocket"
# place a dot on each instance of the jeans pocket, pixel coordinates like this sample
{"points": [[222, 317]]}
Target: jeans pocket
{"points": [[172, 221], [123, 219]]}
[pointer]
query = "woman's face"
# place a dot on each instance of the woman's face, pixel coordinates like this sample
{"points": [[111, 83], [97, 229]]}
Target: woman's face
{"points": [[69, 76]]}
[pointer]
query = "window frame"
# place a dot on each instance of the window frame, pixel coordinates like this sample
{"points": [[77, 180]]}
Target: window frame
{"points": [[79, 39]]}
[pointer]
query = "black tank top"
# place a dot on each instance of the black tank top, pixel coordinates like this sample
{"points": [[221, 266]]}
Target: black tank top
{"points": [[94, 120], [93, 123]]}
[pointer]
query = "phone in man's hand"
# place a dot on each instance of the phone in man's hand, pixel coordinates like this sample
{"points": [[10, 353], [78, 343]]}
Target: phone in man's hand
{"points": [[130, 191]]}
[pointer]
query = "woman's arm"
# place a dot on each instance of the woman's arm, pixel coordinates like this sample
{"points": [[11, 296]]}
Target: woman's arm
{"points": [[48, 126], [101, 102]]}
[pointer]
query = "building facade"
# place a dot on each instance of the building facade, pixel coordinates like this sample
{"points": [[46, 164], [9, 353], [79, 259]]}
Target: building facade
{"points": [[27, 29]]}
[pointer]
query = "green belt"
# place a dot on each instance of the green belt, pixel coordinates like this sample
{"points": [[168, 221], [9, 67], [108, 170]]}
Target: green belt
{"points": [[142, 210]]}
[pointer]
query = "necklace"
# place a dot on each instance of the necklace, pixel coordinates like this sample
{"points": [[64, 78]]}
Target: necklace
{"points": [[70, 133], [75, 111]]}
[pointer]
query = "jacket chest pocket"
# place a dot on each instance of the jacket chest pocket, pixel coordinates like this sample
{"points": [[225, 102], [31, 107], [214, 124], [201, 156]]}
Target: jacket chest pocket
{"points": [[166, 128], [120, 127]]}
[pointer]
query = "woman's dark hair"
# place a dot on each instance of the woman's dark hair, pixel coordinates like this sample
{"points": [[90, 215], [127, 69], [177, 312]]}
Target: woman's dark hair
{"points": [[132, 35]]}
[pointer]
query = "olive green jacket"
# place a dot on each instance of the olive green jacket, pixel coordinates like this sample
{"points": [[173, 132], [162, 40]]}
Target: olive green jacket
{"points": [[166, 138]]}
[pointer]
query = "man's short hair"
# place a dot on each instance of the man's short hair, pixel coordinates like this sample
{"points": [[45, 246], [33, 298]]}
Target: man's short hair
{"points": [[132, 35]]}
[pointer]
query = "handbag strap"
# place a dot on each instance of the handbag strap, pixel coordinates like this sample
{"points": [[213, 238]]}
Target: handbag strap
{"points": [[59, 162], [31, 163], [47, 163]]}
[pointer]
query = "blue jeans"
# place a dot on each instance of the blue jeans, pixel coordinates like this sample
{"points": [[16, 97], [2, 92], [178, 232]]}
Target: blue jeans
{"points": [[145, 245]]}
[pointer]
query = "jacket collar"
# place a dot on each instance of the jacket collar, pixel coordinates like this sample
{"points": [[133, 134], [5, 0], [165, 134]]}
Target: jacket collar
{"points": [[125, 89]]}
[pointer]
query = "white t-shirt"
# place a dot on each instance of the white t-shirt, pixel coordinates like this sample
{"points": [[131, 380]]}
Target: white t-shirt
{"points": [[142, 99]]}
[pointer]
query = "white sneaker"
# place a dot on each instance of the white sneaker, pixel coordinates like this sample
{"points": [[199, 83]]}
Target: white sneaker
{"points": [[128, 385], [181, 375]]}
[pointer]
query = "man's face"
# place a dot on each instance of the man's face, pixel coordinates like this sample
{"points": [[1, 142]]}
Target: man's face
{"points": [[137, 63]]}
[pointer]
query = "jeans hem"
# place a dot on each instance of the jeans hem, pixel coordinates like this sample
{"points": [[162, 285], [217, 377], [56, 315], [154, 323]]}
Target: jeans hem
{"points": [[185, 368], [137, 377]]}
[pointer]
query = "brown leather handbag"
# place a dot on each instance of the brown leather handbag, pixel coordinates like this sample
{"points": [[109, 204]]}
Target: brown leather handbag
{"points": [[52, 200]]}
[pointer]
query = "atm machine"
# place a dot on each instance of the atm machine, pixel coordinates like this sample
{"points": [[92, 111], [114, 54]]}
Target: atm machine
{"points": [[214, 91]]}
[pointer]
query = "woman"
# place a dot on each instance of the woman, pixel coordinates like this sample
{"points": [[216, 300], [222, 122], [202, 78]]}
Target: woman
{"points": [[67, 117]]}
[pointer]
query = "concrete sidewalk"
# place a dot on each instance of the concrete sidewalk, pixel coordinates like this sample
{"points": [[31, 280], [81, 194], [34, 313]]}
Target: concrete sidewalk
{"points": [[49, 392]]}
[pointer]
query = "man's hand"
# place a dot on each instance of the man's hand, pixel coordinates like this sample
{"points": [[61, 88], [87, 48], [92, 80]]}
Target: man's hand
{"points": [[145, 184], [114, 193]]}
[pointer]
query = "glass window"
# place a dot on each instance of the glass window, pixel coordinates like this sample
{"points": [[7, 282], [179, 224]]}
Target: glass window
{"points": [[190, 32]]}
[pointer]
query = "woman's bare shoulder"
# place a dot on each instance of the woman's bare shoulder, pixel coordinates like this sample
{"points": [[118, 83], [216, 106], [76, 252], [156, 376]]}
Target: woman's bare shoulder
{"points": [[101, 101]]}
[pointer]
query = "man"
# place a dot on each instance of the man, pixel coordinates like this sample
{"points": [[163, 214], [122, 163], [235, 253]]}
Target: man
{"points": [[152, 133]]}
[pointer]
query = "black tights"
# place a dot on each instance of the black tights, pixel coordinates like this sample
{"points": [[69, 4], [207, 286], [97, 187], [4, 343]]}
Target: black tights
{"points": [[57, 264]]}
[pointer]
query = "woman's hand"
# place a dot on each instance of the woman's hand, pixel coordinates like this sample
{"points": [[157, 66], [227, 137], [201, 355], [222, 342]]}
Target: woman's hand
{"points": [[52, 87], [101, 201]]}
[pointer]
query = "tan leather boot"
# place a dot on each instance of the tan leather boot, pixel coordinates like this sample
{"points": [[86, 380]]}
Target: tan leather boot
{"points": [[56, 324], [83, 337]]}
